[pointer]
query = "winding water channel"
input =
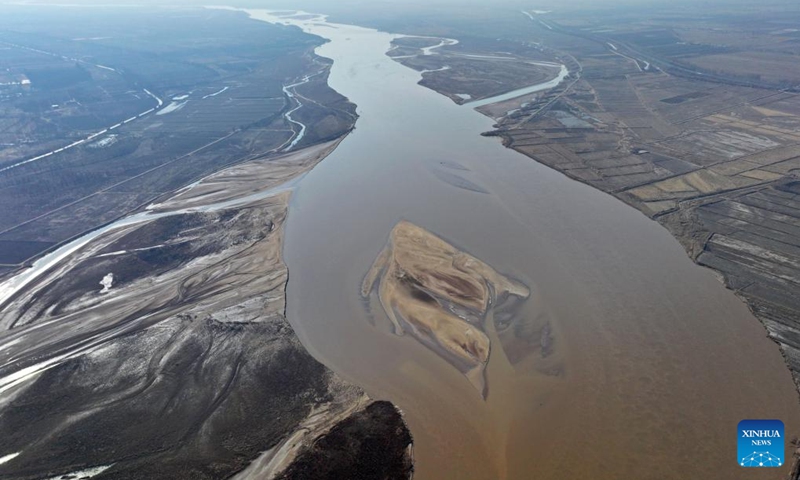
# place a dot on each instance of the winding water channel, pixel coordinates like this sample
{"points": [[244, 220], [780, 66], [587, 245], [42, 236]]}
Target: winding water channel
{"points": [[562, 74], [655, 362]]}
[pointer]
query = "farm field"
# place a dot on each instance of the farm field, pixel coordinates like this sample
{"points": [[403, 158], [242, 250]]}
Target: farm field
{"points": [[105, 123]]}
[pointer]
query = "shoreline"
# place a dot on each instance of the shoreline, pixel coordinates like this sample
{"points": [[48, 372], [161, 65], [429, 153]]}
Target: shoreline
{"points": [[439, 172], [227, 290]]}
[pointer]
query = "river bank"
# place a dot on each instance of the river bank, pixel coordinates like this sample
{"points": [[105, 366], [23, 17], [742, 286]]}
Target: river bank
{"points": [[634, 335], [184, 350]]}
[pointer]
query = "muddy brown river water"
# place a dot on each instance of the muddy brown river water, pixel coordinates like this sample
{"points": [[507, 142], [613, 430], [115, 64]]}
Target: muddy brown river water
{"points": [[653, 361]]}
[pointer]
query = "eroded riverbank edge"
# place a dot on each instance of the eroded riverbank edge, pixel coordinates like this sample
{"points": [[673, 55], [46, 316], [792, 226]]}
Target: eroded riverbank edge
{"points": [[737, 265], [651, 322], [778, 318], [184, 365], [305, 100], [778, 313]]}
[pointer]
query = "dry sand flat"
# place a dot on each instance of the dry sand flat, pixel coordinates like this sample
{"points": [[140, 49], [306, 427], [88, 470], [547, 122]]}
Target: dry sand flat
{"points": [[442, 297]]}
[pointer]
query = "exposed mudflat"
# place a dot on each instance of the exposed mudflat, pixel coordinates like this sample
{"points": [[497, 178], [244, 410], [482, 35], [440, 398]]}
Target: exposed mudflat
{"points": [[160, 349], [549, 330]]}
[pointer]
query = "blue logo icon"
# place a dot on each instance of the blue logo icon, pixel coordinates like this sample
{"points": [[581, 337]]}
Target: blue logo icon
{"points": [[761, 443]]}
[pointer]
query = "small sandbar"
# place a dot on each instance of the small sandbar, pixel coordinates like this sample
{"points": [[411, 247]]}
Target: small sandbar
{"points": [[441, 296]]}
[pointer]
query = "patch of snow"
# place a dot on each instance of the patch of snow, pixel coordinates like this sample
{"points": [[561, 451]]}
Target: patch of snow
{"points": [[87, 473], [104, 142], [113, 254], [16, 378], [172, 107], [12, 342], [107, 282], [123, 252], [180, 97]]}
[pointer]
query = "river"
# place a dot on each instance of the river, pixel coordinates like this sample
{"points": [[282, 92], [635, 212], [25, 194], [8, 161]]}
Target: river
{"points": [[655, 364], [562, 74]]}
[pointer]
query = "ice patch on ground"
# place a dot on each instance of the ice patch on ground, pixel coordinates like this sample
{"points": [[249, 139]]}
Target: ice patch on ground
{"points": [[9, 457], [446, 42], [105, 142], [87, 473], [446, 67], [12, 342], [215, 93], [107, 282], [172, 107]]}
